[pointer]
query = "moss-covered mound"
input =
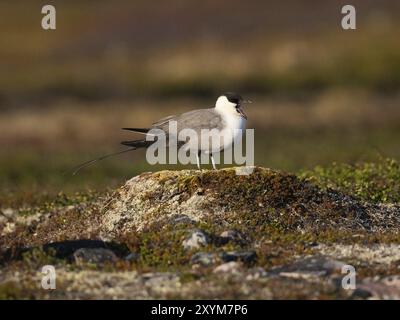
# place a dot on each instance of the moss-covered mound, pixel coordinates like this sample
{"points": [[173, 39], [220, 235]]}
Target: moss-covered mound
{"points": [[265, 197], [212, 234]]}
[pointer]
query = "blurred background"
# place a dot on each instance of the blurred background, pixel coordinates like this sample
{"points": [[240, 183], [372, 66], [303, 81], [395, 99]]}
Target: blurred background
{"points": [[321, 94]]}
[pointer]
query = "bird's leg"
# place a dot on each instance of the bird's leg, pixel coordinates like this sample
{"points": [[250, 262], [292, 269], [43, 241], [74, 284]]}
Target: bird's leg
{"points": [[198, 155], [213, 162]]}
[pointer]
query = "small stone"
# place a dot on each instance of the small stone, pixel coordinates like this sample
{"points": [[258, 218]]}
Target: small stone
{"points": [[244, 256], [310, 267], [232, 236], [311, 244], [387, 288], [332, 266], [9, 228], [204, 258], [94, 255], [306, 275], [360, 293], [8, 212], [160, 281], [196, 239], [132, 257], [181, 218], [256, 273], [244, 171], [229, 267]]}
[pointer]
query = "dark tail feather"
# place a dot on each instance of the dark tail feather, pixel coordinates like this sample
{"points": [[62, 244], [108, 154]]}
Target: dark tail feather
{"points": [[90, 162], [140, 130], [137, 143]]}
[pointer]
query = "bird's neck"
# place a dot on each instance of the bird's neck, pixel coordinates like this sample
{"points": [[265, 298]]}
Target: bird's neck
{"points": [[232, 120]]}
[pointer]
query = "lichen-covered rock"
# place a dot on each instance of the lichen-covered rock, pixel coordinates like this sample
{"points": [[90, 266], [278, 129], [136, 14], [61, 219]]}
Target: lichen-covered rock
{"points": [[132, 257], [382, 254], [204, 235], [204, 258], [309, 267], [244, 256], [94, 256], [266, 196], [387, 288], [232, 236], [195, 240], [152, 196], [228, 267]]}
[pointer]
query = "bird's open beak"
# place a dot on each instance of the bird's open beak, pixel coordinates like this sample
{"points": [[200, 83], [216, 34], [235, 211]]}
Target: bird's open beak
{"points": [[240, 109], [241, 112]]}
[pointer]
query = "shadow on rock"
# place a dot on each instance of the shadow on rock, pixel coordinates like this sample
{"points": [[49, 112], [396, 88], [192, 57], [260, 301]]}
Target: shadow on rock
{"points": [[84, 248]]}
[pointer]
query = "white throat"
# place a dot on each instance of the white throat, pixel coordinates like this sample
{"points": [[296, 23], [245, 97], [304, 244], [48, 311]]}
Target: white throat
{"points": [[224, 106], [230, 116]]}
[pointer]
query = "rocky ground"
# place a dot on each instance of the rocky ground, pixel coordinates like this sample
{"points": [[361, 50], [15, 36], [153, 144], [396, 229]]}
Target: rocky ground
{"points": [[213, 234]]}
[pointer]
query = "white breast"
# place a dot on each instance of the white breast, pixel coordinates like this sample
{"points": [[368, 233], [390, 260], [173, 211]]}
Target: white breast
{"points": [[229, 133], [232, 132]]}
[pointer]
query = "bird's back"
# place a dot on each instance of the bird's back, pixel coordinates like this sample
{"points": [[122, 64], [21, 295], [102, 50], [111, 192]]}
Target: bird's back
{"points": [[195, 120]]}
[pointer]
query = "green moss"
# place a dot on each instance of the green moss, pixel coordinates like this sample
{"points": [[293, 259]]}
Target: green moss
{"points": [[37, 258], [69, 218], [247, 190], [11, 291], [161, 247], [376, 182]]}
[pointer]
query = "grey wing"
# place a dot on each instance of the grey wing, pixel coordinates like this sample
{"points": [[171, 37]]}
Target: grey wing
{"points": [[196, 120], [163, 121], [201, 119]]}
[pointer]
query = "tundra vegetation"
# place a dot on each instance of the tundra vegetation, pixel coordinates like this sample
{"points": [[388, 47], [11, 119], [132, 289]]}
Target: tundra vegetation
{"points": [[201, 234]]}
